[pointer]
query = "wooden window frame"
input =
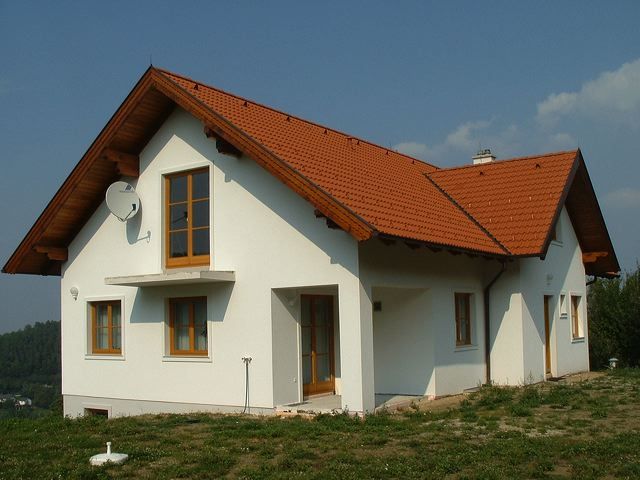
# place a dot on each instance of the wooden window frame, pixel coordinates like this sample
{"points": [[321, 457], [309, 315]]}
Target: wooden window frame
{"points": [[192, 335], [110, 350], [463, 341], [189, 260], [576, 333]]}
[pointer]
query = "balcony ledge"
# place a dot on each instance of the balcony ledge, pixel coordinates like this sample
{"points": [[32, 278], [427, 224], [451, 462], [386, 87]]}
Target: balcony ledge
{"points": [[172, 278]]}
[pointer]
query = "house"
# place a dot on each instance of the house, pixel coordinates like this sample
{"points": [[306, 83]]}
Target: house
{"points": [[274, 259]]}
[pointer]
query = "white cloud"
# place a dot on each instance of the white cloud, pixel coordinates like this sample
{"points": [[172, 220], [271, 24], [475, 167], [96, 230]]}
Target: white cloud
{"points": [[613, 98], [623, 198], [559, 141], [413, 149], [464, 138], [616, 92]]}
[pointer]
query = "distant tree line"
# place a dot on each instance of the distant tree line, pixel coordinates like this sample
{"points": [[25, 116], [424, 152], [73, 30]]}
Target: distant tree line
{"points": [[614, 320], [30, 363]]}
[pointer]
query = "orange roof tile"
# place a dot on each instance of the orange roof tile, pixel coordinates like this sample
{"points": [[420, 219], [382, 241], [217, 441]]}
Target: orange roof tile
{"points": [[515, 200], [504, 208], [385, 188]]}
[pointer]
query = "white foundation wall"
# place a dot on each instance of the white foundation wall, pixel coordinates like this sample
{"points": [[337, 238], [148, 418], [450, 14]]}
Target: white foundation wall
{"points": [[432, 365], [560, 273], [261, 230]]}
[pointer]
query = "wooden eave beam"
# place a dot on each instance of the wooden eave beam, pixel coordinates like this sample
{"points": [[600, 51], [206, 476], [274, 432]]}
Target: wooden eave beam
{"points": [[127, 164], [591, 257], [59, 254], [412, 245], [222, 145]]}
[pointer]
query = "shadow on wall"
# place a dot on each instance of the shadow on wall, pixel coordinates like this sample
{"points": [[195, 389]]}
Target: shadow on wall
{"points": [[403, 337], [149, 305]]}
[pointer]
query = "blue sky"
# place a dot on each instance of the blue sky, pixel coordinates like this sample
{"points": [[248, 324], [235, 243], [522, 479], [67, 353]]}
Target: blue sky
{"points": [[437, 80]]}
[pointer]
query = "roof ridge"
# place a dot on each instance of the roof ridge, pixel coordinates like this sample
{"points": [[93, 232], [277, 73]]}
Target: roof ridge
{"points": [[315, 124], [468, 215], [506, 160]]}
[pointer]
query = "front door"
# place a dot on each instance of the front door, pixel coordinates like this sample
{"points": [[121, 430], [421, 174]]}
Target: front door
{"points": [[547, 334], [318, 374]]}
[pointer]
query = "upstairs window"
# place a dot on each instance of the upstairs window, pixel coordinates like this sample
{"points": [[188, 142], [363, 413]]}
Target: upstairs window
{"points": [[463, 319], [106, 327], [188, 326], [187, 218]]}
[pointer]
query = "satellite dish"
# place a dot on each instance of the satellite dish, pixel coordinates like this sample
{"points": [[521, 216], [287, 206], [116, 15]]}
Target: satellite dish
{"points": [[122, 200]]}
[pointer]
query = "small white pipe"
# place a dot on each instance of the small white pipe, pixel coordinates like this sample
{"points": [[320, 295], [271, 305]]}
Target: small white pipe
{"points": [[108, 448]]}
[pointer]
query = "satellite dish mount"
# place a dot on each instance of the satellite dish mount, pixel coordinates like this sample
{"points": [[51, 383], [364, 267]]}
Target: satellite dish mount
{"points": [[122, 201]]}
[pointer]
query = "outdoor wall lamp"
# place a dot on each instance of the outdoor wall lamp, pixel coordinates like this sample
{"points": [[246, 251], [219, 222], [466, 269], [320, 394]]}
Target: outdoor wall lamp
{"points": [[74, 292]]}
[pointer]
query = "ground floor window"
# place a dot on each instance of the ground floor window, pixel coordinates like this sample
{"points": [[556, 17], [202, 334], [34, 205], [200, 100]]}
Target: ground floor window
{"points": [[106, 327], [577, 329], [463, 319], [188, 326]]}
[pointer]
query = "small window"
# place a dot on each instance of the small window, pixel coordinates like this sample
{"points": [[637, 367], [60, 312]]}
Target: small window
{"points": [[463, 319], [556, 234], [106, 327], [563, 305], [96, 412], [576, 320], [188, 326], [187, 218]]}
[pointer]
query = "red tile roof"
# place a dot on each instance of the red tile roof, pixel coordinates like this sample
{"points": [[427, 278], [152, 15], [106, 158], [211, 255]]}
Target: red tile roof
{"points": [[515, 200], [385, 188], [504, 209]]}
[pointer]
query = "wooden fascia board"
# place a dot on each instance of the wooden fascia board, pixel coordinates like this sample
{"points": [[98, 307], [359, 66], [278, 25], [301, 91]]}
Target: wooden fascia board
{"points": [[327, 204], [563, 199], [79, 171], [598, 212], [580, 165]]}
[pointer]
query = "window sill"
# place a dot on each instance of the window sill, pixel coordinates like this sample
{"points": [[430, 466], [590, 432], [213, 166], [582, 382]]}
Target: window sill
{"points": [[104, 356], [465, 348], [577, 340], [187, 358]]}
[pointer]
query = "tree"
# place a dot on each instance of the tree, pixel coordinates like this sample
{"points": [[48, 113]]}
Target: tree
{"points": [[614, 320]]}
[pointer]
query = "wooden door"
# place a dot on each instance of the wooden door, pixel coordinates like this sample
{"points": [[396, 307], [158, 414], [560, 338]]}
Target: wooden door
{"points": [[316, 324], [547, 334]]}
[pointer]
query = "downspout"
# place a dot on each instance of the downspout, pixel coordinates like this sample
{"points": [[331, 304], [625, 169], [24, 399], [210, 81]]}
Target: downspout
{"points": [[487, 323]]}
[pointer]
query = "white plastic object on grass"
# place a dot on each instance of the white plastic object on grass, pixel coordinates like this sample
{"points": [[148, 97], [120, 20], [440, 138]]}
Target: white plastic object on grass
{"points": [[102, 458]]}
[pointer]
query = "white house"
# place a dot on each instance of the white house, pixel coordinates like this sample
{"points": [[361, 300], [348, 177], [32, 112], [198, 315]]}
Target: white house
{"points": [[337, 266]]}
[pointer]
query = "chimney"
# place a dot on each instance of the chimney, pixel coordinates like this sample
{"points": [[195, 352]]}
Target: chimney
{"points": [[483, 156]]}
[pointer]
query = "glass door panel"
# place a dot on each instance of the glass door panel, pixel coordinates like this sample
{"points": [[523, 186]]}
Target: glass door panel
{"points": [[317, 344]]}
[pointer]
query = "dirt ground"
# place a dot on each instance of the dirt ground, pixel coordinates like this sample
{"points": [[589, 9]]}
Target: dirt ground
{"points": [[452, 401]]}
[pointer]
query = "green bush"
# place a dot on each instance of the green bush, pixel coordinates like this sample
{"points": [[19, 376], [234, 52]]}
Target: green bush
{"points": [[614, 320]]}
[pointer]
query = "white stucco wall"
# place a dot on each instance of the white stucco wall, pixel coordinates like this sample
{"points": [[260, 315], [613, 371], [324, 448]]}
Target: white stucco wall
{"points": [[561, 272], [260, 229], [271, 238], [518, 340], [403, 342], [447, 368]]}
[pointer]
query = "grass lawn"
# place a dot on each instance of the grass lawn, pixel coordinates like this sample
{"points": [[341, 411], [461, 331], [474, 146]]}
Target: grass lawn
{"points": [[586, 430]]}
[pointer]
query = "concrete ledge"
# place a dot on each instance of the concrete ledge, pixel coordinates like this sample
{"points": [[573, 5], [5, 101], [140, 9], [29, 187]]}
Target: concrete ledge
{"points": [[172, 278]]}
